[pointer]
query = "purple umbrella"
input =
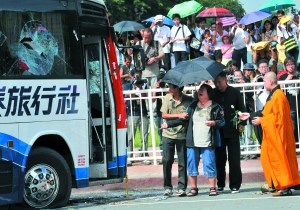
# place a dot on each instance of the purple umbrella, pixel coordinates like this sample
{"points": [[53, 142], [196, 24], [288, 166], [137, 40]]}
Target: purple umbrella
{"points": [[253, 17]]}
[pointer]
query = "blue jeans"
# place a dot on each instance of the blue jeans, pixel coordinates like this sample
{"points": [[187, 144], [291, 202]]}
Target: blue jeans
{"points": [[169, 146], [208, 158]]}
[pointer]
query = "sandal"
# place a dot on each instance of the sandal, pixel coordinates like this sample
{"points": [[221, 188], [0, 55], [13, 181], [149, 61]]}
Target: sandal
{"points": [[192, 192], [286, 192], [213, 191]]}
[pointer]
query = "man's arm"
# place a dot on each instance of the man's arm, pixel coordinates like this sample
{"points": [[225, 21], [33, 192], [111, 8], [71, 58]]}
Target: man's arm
{"points": [[166, 116]]}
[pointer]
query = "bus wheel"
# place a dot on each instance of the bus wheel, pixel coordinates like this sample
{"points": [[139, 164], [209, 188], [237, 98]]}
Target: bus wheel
{"points": [[47, 179]]}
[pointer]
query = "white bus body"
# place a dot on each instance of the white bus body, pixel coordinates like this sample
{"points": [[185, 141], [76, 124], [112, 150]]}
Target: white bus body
{"points": [[62, 112]]}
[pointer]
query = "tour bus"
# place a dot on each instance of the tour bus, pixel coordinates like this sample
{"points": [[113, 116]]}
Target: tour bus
{"points": [[62, 111]]}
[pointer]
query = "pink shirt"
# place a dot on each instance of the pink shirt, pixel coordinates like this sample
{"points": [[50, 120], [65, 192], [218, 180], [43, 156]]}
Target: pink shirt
{"points": [[228, 54]]}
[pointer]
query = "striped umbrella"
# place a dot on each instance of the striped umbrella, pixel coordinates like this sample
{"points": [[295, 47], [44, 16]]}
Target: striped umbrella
{"points": [[227, 21]]}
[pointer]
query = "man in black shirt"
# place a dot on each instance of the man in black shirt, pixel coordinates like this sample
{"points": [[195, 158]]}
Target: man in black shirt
{"points": [[231, 101]]}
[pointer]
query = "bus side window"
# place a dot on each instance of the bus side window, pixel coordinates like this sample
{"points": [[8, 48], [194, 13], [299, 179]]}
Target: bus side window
{"points": [[36, 49]]}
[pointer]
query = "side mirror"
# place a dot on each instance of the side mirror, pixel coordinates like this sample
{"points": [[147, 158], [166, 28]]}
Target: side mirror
{"points": [[139, 58]]}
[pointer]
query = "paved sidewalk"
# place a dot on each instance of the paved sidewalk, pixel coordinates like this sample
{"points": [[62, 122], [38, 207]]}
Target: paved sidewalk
{"points": [[142, 176], [151, 176]]}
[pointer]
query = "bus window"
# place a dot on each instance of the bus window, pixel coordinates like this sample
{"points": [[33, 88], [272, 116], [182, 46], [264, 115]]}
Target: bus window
{"points": [[39, 44]]}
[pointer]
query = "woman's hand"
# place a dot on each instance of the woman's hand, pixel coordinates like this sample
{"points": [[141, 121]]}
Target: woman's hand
{"points": [[163, 126], [210, 123]]}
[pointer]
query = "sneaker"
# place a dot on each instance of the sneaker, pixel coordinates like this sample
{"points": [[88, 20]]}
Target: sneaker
{"points": [[220, 189], [147, 162], [168, 192], [180, 193], [234, 190]]}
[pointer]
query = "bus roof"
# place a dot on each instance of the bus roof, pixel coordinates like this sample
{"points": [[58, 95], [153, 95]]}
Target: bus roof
{"points": [[41, 6]]}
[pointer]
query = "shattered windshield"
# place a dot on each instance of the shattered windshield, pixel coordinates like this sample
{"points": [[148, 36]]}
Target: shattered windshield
{"points": [[39, 43]]}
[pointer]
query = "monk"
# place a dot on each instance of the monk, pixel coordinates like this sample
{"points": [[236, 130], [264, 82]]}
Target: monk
{"points": [[278, 148]]}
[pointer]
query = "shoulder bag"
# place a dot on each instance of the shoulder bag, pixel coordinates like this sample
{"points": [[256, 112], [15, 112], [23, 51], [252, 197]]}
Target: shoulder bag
{"points": [[171, 43], [195, 43], [290, 43]]}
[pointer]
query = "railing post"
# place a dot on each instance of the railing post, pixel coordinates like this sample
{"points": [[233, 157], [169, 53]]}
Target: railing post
{"points": [[151, 115]]}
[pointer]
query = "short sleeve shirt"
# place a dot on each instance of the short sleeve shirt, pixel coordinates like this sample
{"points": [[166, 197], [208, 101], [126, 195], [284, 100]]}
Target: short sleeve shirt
{"points": [[183, 32], [162, 34], [169, 106]]}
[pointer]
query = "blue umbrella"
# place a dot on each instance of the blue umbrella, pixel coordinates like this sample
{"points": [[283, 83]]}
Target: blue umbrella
{"points": [[253, 17], [166, 21]]}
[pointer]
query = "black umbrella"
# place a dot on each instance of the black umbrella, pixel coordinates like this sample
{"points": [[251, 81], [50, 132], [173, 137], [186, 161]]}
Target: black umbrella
{"points": [[128, 25], [195, 70]]}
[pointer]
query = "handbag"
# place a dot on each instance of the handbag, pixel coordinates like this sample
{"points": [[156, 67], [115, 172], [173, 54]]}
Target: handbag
{"points": [[290, 43], [195, 44]]}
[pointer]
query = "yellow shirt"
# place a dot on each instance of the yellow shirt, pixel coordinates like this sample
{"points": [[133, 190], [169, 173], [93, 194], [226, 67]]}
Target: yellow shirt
{"points": [[281, 52]]}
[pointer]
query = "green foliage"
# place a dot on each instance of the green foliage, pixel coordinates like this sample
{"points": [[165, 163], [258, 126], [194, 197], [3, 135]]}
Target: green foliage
{"points": [[138, 139], [139, 10]]}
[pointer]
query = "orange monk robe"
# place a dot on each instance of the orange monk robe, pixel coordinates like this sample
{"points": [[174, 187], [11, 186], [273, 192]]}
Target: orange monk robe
{"points": [[278, 150]]}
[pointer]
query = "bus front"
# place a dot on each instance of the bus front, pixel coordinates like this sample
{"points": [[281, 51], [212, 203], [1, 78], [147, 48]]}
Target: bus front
{"points": [[62, 112]]}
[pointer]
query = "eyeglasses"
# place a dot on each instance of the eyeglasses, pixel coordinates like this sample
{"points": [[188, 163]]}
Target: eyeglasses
{"points": [[263, 67]]}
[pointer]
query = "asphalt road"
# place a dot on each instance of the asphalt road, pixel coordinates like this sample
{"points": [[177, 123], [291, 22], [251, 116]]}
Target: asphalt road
{"points": [[249, 198]]}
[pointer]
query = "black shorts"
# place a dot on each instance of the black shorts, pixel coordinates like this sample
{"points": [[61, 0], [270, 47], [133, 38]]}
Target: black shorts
{"points": [[218, 54]]}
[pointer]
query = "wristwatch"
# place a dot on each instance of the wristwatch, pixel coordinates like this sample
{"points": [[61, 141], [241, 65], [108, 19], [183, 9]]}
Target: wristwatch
{"points": [[155, 59]]}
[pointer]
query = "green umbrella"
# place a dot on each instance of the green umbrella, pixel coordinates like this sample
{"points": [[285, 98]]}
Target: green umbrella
{"points": [[272, 5], [185, 9]]}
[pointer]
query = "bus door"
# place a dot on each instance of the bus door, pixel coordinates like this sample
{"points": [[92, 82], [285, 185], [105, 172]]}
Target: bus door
{"points": [[101, 107]]}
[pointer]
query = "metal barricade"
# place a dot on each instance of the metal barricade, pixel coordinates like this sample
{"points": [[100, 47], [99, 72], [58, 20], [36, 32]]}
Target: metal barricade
{"points": [[249, 145]]}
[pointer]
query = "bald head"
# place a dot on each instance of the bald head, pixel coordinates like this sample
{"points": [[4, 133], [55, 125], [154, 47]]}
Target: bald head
{"points": [[271, 76], [270, 81]]}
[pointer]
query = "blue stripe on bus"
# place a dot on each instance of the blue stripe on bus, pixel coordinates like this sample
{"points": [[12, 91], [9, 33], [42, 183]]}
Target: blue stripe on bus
{"points": [[114, 170], [82, 183], [17, 154], [82, 177]]}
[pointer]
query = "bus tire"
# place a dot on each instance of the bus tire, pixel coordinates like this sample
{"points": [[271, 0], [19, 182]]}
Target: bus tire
{"points": [[48, 180]]}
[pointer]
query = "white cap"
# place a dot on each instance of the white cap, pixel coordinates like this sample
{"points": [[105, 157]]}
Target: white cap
{"points": [[158, 18]]}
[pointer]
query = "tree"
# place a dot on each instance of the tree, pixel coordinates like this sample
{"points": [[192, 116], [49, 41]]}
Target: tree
{"points": [[139, 10]]}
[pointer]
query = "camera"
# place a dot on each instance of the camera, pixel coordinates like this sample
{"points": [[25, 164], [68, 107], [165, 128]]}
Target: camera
{"points": [[233, 79], [260, 78], [160, 77], [228, 70], [139, 80]]}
